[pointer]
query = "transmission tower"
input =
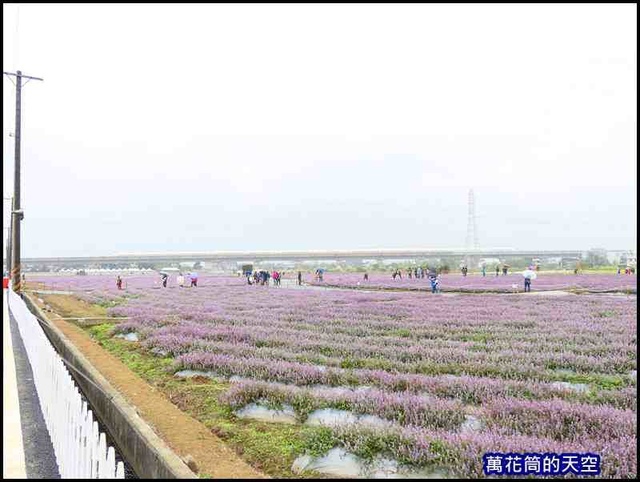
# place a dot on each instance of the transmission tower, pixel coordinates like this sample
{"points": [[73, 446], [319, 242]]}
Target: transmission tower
{"points": [[472, 231]]}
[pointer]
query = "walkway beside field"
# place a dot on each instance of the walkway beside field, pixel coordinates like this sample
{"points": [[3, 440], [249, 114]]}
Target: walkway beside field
{"points": [[27, 449], [12, 448]]}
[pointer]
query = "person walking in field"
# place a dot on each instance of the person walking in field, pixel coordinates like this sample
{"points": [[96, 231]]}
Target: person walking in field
{"points": [[180, 280], [366, 276], [528, 275], [484, 271], [504, 270], [497, 270], [435, 283], [119, 282], [299, 278]]}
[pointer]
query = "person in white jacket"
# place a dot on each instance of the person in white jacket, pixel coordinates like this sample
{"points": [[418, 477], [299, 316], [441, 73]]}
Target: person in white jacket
{"points": [[181, 280]]}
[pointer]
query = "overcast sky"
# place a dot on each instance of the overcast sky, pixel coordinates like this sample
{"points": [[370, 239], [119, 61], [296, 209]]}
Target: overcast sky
{"points": [[318, 126]]}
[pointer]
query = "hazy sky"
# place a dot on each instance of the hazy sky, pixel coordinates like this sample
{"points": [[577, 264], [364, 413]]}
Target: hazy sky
{"points": [[238, 127]]}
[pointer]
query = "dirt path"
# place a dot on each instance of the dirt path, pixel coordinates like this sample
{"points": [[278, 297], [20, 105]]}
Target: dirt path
{"points": [[184, 434]]}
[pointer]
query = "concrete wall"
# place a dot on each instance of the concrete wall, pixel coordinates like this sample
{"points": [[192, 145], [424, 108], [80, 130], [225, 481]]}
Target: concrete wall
{"points": [[149, 456]]}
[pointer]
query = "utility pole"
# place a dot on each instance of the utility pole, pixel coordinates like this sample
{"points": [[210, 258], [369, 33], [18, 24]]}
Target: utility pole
{"points": [[16, 213]]}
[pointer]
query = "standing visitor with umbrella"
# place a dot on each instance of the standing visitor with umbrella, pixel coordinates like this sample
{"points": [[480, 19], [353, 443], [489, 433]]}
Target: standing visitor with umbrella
{"points": [[528, 275], [194, 279]]}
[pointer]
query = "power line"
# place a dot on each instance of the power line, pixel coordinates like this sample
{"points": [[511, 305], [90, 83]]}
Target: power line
{"points": [[16, 50]]}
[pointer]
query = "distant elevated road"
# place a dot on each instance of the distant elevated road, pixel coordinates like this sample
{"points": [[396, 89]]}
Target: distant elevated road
{"points": [[256, 256]]}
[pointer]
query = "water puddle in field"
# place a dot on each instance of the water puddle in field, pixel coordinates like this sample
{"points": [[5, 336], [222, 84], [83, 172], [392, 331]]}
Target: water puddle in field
{"points": [[198, 373], [129, 336], [329, 390], [373, 421], [471, 424], [385, 468], [338, 462], [261, 413], [331, 417], [342, 390], [575, 387]]}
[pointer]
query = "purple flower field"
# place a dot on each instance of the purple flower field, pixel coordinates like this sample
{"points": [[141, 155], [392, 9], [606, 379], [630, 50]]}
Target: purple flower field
{"points": [[490, 283], [541, 373]]}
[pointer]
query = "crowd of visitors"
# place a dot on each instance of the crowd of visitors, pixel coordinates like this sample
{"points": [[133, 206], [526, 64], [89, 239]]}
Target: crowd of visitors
{"points": [[415, 273], [180, 279], [262, 277]]}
